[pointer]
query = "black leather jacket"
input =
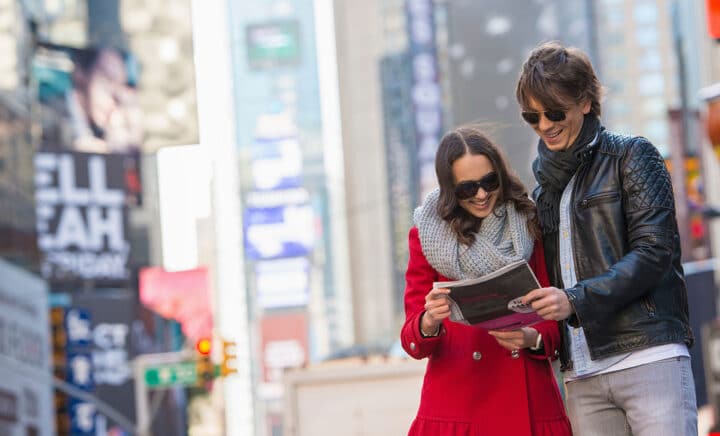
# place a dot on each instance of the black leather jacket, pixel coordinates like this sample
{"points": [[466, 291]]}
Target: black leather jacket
{"points": [[631, 290]]}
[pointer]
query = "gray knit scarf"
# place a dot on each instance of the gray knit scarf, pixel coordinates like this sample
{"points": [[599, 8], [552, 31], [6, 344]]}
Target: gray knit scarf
{"points": [[503, 238]]}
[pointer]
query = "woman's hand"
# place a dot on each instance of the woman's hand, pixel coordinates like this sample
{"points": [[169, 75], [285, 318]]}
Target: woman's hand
{"points": [[437, 308], [514, 340]]}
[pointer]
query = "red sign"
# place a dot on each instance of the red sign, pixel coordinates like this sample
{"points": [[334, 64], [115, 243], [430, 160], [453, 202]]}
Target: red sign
{"points": [[181, 295], [713, 17], [284, 343]]}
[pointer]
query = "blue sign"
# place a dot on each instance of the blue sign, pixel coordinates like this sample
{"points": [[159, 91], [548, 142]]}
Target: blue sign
{"points": [[82, 418], [278, 232], [80, 370], [78, 327], [276, 163], [426, 92]]}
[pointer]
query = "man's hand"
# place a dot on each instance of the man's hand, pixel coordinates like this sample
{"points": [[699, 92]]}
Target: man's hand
{"points": [[550, 303]]}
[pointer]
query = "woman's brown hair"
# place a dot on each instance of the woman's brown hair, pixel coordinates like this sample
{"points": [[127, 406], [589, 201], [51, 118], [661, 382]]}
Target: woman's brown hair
{"points": [[470, 139]]}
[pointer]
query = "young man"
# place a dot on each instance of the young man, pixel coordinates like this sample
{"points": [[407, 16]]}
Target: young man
{"points": [[607, 212]]}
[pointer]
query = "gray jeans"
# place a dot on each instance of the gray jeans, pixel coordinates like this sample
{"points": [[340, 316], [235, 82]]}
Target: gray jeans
{"points": [[656, 399]]}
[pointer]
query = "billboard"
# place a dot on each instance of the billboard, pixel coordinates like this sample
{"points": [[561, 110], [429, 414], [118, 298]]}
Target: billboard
{"points": [[108, 327], [276, 163], [279, 231], [88, 99], [79, 370], [81, 217], [284, 344], [95, 338], [282, 282], [88, 102]]}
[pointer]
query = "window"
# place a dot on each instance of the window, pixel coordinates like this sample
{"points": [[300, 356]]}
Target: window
{"points": [[646, 36], [618, 62], [614, 17], [646, 13], [616, 86], [614, 38], [654, 107], [656, 131], [652, 84], [619, 108], [650, 61]]}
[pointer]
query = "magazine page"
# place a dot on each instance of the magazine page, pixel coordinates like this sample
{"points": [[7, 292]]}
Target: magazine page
{"points": [[493, 300]]}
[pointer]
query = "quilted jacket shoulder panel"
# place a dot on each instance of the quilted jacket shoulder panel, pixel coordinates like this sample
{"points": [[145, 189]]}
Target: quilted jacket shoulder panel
{"points": [[646, 177], [614, 143]]}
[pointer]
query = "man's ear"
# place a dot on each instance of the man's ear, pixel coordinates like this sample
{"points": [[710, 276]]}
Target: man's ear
{"points": [[586, 107]]}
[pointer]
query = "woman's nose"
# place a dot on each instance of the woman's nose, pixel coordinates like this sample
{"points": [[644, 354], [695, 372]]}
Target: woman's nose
{"points": [[481, 194]]}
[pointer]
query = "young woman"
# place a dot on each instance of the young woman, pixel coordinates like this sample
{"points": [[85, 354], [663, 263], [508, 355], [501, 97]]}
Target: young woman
{"points": [[477, 382]]}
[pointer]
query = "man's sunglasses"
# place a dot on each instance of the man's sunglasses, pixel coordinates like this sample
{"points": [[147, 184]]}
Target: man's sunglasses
{"points": [[466, 190], [534, 117]]}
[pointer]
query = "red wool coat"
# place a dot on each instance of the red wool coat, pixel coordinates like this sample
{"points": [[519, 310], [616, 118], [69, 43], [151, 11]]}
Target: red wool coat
{"points": [[473, 386]]}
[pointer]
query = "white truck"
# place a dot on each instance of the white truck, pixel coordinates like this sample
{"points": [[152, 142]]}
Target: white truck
{"points": [[353, 397]]}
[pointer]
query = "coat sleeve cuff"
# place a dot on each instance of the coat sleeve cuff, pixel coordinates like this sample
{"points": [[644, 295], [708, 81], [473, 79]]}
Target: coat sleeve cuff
{"points": [[414, 343], [551, 341]]}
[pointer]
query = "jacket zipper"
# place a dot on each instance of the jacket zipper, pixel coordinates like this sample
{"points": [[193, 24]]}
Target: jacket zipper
{"points": [[566, 333], [597, 198], [572, 230]]}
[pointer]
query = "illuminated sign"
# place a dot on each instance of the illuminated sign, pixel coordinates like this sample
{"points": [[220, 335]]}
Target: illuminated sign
{"points": [[272, 45], [81, 217]]}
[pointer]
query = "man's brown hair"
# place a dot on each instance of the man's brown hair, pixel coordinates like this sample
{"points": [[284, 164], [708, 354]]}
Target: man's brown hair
{"points": [[554, 76]]}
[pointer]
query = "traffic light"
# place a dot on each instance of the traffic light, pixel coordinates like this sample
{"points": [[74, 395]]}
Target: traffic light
{"points": [[59, 362], [229, 364], [204, 366], [59, 341], [205, 370], [204, 346]]}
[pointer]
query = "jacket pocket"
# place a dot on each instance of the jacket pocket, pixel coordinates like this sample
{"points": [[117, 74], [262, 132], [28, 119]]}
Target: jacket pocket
{"points": [[649, 305], [601, 197]]}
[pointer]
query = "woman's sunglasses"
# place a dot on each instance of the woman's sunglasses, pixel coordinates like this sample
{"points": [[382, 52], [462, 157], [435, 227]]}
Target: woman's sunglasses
{"points": [[465, 190], [534, 117]]}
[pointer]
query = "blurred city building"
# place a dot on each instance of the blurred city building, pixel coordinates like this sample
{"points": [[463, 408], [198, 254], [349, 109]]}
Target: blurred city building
{"points": [[26, 396], [359, 48], [487, 42], [282, 163], [652, 63], [293, 194], [91, 123], [638, 68], [159, 33], [17, 214]]}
